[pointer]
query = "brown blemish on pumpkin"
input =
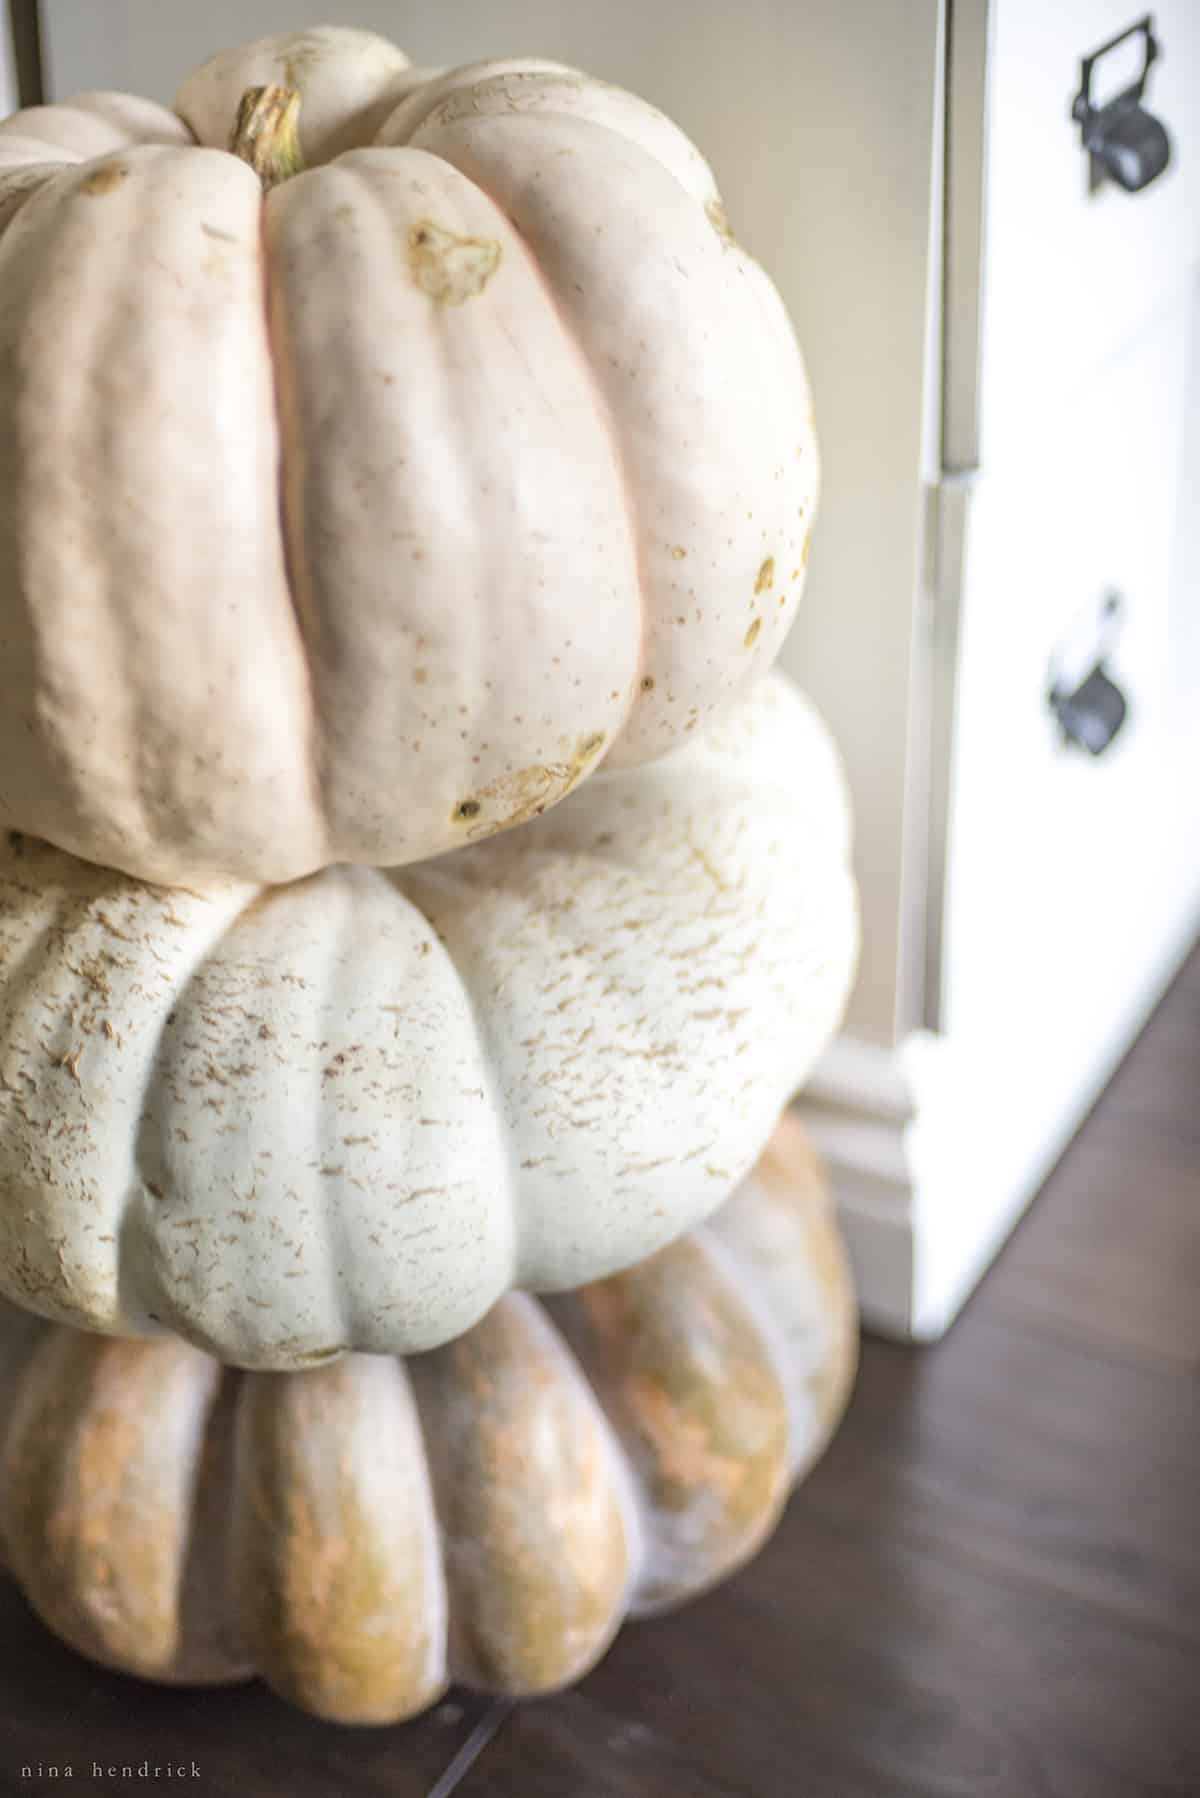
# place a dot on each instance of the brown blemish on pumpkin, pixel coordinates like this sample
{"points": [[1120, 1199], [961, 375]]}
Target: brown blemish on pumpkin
{"points": [[718, 218], [449, 268], [517, 797], [647, 683], [765, 576], [215, 232], [104, 180], [804, 549], [751, 637], [679, 552]]}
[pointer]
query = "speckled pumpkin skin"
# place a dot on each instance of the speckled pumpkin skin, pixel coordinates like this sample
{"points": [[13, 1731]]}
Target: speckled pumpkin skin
{"points": [[350, 1113], [363, 1533]]}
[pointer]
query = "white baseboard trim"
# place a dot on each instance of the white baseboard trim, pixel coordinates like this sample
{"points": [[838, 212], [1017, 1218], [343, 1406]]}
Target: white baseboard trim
{"points": [[935, 1152], [857, 1109]]}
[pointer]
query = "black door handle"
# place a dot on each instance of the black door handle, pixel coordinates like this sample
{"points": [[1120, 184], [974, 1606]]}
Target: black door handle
{"points": [[1091, 716], [1086, 701], [1125, 141]]}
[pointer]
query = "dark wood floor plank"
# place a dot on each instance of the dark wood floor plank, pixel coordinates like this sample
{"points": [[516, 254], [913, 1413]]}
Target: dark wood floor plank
{"points": [[981, 1681], [720, 1701], [1155, 1089], [848, 1662], [1111, 1250], [1036, 1458], [573, 1746], [1114, 1255]]}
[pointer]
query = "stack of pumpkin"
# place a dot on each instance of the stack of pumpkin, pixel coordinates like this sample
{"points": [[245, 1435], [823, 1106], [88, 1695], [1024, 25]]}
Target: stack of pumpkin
{"points": [[415, 892]]}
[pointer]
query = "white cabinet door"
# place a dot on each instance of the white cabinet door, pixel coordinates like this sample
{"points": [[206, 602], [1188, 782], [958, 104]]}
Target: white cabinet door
{"points": [[1062, 869], [1073, 881], [1072, 274], [1072, 877]]}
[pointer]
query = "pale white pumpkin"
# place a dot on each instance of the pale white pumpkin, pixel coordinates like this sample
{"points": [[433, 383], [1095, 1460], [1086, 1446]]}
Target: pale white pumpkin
{"points": [[349, 1113], [511, 474]]}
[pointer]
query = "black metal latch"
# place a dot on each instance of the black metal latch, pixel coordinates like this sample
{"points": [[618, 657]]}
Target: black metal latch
{"points": [[1126, 143], [1088, 704]]}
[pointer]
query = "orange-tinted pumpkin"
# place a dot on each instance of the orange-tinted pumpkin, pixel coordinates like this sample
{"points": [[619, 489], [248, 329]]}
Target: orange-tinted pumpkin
{"points": [[490, 1512]]}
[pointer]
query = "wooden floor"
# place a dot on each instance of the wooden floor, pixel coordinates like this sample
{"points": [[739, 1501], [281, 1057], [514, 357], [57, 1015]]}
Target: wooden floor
{"points": [[990, 1587]]}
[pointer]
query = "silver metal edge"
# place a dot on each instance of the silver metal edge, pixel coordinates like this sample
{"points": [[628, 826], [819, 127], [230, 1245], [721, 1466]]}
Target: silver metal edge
{"points": [[968, 27], [968, 46]]}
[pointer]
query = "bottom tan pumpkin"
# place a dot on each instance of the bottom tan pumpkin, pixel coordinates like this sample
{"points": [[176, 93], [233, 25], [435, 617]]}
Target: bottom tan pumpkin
{"points": [[364, 1533]]}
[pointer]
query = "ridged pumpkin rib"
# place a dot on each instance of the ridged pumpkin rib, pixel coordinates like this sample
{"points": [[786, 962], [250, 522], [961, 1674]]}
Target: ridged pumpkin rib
{"points": [[436, 89], [335, 1543], [782, 1219], [312, 748], [99, 1468], [698, 1403], [604, 412], [540, 1537]]}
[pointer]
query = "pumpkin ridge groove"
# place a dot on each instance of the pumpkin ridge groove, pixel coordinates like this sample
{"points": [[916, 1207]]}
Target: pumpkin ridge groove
{"points": [[276, 357], [604, 412], [438, 874]]}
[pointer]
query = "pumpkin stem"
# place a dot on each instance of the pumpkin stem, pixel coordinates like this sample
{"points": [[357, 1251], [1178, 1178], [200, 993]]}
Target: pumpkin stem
{"points": [[266, 134]]}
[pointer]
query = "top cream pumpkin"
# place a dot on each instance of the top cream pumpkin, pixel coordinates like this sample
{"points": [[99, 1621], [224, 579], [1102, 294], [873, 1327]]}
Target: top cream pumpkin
{"points": [[512, 473]]}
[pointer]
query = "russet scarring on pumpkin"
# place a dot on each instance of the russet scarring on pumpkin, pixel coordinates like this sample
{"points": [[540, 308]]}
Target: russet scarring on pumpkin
{"points": [[106, 178], [719, 220], [449, 268], [518, 797]]}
